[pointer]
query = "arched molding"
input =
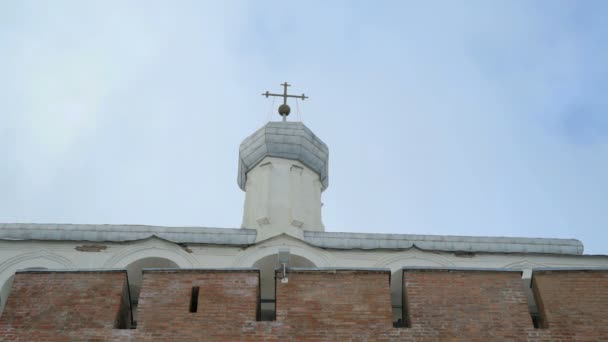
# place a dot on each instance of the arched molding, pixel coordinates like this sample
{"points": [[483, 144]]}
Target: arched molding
{"points": [[250, 256], [524, 264], [152, 248], [398, 260], [40, 258]]}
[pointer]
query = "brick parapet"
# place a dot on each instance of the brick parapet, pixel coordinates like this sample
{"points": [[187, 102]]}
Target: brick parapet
{"points": [[483, 304], [315, 304], [67, 300], [226, 299], [573, 303]]}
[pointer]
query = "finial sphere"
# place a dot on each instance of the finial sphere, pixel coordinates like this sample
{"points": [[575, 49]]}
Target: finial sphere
{"points": [[284, 110]]}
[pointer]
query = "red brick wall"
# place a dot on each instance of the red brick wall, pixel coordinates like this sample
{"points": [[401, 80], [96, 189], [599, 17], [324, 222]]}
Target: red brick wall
{"points": [[573, 303], [335, 305], [318, 305], [64, 301], [483, 305], [226, 300]]}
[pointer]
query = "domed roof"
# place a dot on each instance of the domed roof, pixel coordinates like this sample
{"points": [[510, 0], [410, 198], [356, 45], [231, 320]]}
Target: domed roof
{"points": [[288, 140]]}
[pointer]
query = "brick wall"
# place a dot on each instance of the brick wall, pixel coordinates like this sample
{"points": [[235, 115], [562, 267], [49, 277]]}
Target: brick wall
{"points": [[318, 305], [573, 304], [483, 305], [53, 302], [226, 300], [335, 305]]}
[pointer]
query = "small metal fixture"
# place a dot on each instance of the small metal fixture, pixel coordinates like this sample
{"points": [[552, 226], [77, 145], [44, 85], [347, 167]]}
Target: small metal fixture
{"points": [[283, 261], [284, 109]]}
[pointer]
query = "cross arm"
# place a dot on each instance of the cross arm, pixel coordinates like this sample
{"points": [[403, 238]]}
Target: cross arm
{"points": [[303, 97]]}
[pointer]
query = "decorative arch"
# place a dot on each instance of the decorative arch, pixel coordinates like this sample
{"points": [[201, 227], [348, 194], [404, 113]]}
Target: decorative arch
{"points": [[41, 257], [250, 256], [398, 260], [524, 264], [153, 248]]}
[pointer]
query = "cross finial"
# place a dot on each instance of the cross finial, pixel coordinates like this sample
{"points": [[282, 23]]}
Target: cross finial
{"points": [[284, 108]]}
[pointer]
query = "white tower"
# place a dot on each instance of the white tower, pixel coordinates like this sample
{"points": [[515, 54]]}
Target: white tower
{"points": [[283, 170]]}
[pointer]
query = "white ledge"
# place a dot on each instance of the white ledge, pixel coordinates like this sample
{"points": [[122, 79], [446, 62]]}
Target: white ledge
{"points": [[246, 237], [449, 243]]}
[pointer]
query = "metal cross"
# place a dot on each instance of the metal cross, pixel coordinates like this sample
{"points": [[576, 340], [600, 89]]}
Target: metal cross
{"points": [[284, 108]]}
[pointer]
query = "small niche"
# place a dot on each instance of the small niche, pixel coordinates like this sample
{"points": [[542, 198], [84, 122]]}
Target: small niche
{"points": [[194, 299], [401, 313], [124, 318]]}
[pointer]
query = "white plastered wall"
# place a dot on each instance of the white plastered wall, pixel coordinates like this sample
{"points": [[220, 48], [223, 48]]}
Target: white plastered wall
{"points": [[282, 196]]}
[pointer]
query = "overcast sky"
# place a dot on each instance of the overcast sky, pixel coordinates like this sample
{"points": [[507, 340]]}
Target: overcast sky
{"points": [[460, 118]]}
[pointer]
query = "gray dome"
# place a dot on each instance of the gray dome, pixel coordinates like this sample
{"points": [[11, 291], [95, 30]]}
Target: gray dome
{"points": [[288, 140]]}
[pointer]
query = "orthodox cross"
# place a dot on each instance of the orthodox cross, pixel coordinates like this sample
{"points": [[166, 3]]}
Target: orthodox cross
{"points": [[284, 108]]}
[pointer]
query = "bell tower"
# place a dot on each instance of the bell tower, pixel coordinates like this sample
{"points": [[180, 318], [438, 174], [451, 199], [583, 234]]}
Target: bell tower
{"points": [[283, 171]]}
